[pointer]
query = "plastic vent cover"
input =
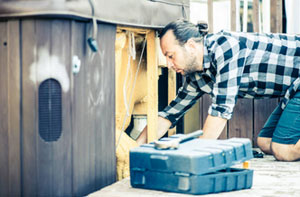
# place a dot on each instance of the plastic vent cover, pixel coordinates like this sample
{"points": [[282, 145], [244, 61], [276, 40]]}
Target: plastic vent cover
{"points": [[50, 111]]}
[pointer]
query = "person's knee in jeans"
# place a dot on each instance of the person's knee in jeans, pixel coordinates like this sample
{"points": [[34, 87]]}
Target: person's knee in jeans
{"points": [[287, 132]]}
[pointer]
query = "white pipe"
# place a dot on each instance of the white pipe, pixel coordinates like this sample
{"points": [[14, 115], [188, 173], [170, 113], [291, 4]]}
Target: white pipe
{"points": [[139, 123]]}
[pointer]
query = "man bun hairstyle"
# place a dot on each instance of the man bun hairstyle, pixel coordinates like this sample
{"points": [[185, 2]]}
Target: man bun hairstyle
{"points": [[184, 30], [202, 27]]}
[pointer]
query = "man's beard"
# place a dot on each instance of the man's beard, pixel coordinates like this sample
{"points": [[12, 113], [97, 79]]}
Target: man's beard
{"points": [[191, 64]]}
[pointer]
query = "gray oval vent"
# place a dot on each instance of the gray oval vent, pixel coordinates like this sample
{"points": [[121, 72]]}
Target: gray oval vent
{"points": [[50, 111]]}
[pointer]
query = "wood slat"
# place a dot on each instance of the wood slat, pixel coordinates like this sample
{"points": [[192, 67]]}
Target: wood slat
{"points": [[192, 119], [4, 119], [29, 113], [276, 16], [61, 149], [14, 107], [152, 86], [241, 124], [105, 170], [44, 150], [171, 93], [83, 163], [233, 15], [255, 13]]}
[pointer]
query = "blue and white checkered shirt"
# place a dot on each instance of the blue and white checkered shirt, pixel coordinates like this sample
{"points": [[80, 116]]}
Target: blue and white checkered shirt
{"points": [[240, 65]]}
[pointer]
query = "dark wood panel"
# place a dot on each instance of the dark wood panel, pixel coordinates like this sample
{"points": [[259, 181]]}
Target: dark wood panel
{"points": [[104, 65], [262, 110], [14, 107], [83, 165], [241, 124], [62, 158], [94, 110], [29, 107], [4, 146], [42, 68], [276, 16]]}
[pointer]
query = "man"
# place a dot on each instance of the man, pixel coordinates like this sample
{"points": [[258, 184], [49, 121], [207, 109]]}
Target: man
{"points": [[228, 66]]}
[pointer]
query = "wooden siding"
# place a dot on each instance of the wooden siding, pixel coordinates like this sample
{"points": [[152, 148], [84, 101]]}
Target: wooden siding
{"points": [[82, 160], [9, 109]]}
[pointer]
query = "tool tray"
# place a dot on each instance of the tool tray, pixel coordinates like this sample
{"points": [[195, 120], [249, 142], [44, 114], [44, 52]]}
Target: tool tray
{"points": [[198, 166]]}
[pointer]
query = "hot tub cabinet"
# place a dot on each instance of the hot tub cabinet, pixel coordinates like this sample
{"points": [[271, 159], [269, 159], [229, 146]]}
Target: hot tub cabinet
{"points": [[57, 95]]}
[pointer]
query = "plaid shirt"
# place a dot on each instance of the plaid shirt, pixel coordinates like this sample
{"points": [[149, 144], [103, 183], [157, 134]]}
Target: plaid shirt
{"points": [[240, 65]]}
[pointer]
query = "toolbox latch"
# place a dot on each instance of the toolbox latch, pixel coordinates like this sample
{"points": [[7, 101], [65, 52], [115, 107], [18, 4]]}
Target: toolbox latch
{"points": [[183, 181]]}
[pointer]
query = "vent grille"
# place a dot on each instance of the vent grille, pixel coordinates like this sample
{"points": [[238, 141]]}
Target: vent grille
{"points": [[50, 111]]}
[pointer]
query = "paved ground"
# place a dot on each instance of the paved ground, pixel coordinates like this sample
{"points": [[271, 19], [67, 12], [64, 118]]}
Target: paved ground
{"points": [[271, 179]]}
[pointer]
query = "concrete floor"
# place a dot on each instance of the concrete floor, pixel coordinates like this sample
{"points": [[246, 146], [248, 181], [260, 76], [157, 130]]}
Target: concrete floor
{"points": [[271, 179]]}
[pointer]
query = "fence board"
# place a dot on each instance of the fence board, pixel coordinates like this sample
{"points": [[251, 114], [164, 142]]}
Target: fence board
{"points": [[241, 124], [4, 146]]}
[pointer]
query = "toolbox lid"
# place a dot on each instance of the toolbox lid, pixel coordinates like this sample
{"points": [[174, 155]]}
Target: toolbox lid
{"points": [[197, 156]]}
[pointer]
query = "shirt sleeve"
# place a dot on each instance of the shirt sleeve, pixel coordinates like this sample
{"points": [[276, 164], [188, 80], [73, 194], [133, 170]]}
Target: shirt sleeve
{"points": [[229, 59], [187, 96]]}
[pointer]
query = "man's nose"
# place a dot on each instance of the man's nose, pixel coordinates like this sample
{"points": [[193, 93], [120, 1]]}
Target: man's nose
{"points": [[170, 64]]}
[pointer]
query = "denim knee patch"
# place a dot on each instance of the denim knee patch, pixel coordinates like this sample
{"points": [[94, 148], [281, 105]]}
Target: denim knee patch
{"points": [[288, 128]]}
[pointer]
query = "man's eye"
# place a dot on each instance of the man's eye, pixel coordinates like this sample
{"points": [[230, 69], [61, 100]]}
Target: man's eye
{"points": [[170, 56]]}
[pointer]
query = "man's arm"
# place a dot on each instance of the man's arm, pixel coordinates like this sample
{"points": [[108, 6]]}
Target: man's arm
{"points": [[163, 125], [213, 127]]}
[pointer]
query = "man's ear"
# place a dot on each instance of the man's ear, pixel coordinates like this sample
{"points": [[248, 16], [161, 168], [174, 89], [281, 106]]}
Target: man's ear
{"points": [[191, 45]]}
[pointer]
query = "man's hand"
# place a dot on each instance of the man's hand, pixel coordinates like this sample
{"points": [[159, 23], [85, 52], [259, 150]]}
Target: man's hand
{"points": [[213, 127], [162, 127]]}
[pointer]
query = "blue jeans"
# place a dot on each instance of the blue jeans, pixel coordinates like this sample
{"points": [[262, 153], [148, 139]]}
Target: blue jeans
{"points": [[283, 126]]}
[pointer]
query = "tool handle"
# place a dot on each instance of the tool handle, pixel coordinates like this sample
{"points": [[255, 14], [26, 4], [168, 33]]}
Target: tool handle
{"points": [[191, 135]]}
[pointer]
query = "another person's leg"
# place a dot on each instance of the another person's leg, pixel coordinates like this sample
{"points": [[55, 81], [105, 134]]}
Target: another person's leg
{"points": [[285, 144], [265, 136]]}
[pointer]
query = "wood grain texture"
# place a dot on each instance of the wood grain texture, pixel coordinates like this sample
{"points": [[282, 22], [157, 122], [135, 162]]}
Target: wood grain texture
{"points": [[29, 111], [83, 159], [61, 149], [233, 15], [255, 13], [276, 16], [171, 92], [152, 86], [93, 111], [241, 124], [14, 136], [4, 119]]}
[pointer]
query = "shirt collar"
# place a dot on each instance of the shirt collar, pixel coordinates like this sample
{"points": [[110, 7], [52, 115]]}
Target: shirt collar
{"points": [[206, 56]]}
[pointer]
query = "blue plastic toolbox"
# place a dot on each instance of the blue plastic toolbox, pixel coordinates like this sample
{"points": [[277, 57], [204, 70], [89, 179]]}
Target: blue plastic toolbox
{"points": [[197, 166]]}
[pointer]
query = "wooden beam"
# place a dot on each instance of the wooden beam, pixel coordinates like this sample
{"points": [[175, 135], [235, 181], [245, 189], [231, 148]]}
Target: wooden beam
{"points": [[255, 12], [276, 16], [152, 87], [171, 93], [233, 15]]}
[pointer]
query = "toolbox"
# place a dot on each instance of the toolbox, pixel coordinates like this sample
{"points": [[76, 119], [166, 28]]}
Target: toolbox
{"points": [[196, 166]]}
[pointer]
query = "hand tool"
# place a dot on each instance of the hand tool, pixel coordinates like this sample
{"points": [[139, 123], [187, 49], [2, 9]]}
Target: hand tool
{"points": [[174, 143]]}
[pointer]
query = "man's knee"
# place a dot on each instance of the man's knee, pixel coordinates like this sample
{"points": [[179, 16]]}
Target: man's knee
{"points": [[283, 152], [264, 144]]}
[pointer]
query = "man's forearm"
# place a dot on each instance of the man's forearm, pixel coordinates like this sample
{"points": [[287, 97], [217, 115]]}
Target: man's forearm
{"points": [[162, 127], [213, 127]]}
